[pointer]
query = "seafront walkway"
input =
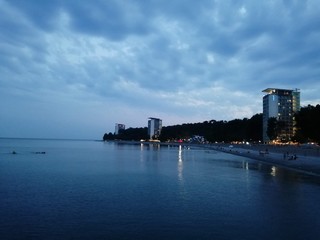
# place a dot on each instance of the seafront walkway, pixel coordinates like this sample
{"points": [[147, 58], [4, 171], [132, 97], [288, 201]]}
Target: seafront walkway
{"points": [[293, 157]]}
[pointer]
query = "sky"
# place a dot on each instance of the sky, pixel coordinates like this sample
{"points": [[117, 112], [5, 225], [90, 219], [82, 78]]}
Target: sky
{"points": [[72, 69]]}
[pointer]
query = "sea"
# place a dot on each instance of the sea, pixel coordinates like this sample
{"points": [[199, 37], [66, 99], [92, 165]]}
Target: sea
{"points": [[85, 189]]}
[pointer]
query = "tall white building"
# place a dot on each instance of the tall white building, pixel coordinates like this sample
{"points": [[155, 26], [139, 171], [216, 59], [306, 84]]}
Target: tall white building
{"points": [[281, 104], [154, 127], [119, 127]]}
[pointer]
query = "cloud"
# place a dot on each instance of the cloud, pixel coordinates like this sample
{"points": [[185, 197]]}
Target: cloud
{"points": [[113, 19], [124, 61]]}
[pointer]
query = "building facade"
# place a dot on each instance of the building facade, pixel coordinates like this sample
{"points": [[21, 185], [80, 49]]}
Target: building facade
{"points": [[280, 104], [154, 127], [118, 128]]}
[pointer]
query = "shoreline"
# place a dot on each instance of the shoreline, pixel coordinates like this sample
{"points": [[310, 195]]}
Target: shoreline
{"points": [[308, 164], [307, 159]]}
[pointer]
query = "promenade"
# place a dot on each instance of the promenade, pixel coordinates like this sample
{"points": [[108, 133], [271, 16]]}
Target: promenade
{"points": [[304, 159]]}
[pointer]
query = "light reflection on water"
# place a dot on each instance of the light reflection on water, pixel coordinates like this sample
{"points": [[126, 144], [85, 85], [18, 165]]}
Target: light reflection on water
{"points": [[180, 164], [94, 190], [273, 171]]}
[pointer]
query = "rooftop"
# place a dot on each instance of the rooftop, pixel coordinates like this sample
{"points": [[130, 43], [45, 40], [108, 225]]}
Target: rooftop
{"points": [[274, 90]]}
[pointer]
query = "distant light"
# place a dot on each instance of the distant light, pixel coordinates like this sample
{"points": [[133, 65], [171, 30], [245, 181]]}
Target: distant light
{"points": [[273, 171]]}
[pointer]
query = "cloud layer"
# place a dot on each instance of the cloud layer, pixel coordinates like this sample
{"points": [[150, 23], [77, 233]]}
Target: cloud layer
{"points": [[74, 68]]}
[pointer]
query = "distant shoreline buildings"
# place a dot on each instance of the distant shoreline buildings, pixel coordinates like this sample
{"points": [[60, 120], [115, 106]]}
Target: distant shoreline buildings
{"points": [[118, 128], [280, 104], [154, 127], [278, 117]]}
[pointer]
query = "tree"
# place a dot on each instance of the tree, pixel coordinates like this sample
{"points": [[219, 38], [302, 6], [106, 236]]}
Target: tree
{"points": [[108, 136], [307, 124], [254, 128]]}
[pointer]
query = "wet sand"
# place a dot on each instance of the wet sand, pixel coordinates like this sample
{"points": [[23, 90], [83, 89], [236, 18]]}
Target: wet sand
{"points": [[298, 158]]}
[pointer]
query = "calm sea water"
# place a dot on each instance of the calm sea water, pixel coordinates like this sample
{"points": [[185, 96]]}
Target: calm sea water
{"points": [[97, 190]]}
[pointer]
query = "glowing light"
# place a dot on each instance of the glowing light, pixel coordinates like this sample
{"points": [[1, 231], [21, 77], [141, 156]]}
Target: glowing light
{"points": [[273, 171]]}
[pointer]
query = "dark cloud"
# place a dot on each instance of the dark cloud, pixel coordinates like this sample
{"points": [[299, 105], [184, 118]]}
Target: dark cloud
{"points": [[184, 60], [43, 14], [112, 19]]}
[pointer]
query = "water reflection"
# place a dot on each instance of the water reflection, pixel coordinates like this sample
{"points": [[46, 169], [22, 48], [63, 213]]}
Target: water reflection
{"points": [[180, 153], [180, 164], [273, 171], [183, 193], [141, 152], [245, 165], [154, 148], [278, 172]]}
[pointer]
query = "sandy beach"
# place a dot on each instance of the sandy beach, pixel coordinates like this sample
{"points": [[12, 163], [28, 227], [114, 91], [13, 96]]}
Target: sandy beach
{"points": [[298, 158]]}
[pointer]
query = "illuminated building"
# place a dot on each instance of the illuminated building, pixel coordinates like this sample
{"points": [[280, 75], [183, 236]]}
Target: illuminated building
{"points": [[280, 104], [154, 127]]}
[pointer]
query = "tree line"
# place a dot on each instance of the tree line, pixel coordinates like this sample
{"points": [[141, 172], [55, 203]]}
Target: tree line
{"points": [[212, 131], [307, 125]]}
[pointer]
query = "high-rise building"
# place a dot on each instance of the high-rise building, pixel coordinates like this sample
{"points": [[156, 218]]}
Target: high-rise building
{"points": [[154, 127], [280, 104], [118, 128]]}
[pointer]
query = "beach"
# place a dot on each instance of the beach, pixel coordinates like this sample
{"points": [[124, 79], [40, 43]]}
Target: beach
{"points": [[299, 158]]}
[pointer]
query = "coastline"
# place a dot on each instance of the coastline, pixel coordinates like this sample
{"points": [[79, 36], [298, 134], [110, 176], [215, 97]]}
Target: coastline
{"points": [[307, 158], [301, 158], [306, 161]]}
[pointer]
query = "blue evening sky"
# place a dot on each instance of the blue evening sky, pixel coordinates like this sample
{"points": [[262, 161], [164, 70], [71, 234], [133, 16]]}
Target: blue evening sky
{"points": [[72, 69]]}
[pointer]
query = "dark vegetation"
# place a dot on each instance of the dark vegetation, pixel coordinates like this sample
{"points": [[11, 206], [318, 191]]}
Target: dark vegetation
{"points": [[217, 131], [212, 131], [308, 124], [308, 129]]}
